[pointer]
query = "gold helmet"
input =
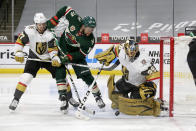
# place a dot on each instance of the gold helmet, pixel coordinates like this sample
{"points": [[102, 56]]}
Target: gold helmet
{"points": [[131, 48]]}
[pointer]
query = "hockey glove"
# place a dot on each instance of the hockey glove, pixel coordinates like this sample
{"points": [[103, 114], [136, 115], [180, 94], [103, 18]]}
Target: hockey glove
{"points": [[106, 56], [19, 56], [64, 59], [56, 62], [52, 22]]}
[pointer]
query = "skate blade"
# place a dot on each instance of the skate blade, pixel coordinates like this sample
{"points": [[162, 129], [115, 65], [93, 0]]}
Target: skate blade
{"points": [[11, 111], [92, 112], [81, 116]]}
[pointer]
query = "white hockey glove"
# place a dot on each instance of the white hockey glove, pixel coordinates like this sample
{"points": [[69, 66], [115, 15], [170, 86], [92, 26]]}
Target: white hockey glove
{"points": [[56, 61], [19, 56]]}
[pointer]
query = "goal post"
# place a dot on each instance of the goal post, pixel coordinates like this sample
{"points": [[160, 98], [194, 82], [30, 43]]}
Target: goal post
{"points": [[170, 41]]}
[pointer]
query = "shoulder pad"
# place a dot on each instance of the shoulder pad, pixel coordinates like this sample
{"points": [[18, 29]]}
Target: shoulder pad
{"points": [[49, 35], [29, 29]]}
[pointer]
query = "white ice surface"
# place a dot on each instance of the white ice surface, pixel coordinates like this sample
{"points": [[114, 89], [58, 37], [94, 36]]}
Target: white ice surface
{"points": [[38, 110]]}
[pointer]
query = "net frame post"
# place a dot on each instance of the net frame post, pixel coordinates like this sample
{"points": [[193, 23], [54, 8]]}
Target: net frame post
{"points": [[161, 70], [171, 99], [171, 80]]}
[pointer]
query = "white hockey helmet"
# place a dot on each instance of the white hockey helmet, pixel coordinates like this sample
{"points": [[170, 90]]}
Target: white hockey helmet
{"points": [[39, 18]]}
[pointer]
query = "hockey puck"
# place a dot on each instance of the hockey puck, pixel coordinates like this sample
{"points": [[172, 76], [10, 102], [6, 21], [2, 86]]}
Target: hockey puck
{"points": [[117, 113]]}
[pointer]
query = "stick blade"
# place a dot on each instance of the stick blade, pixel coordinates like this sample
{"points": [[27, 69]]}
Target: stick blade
{"points": [[80, 115]]}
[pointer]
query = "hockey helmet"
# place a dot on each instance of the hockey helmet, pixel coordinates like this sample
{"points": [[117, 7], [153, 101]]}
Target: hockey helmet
{"points": [[39, 18], [89, 21], [131, 48]]}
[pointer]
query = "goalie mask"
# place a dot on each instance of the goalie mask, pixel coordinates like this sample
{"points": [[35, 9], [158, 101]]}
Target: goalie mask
{"points": [[131, 49]]}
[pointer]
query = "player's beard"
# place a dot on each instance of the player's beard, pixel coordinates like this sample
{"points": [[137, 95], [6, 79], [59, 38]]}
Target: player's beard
{"points": [[41, 31], [87, 34], [88, 31]]}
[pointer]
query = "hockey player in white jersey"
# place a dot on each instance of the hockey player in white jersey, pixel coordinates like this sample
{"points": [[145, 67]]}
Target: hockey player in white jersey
{"points": [[134, 93], [42, 46]]}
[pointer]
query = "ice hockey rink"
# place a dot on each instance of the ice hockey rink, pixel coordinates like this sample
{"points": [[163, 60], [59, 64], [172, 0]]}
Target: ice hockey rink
{"points": [[39, 110], [117, 20]]}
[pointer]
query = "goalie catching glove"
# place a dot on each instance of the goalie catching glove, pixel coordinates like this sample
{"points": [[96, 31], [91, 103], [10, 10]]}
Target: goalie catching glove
{"points": [[106, 56]]}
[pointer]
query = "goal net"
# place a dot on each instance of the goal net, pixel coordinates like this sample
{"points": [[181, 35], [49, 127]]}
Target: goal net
{"points": [[176, 81]]}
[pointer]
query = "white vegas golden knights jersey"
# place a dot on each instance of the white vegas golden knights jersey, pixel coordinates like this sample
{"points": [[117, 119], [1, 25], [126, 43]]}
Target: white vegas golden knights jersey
{"points": [[135, 68], [38, 43]]}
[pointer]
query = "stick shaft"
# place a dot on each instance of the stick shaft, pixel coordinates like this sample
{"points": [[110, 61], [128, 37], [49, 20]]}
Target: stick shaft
{"points": [[73, 84]]}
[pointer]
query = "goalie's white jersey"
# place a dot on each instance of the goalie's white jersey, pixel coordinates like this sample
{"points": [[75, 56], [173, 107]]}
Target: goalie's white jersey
{"points": [[135, 68], [38, 43]]}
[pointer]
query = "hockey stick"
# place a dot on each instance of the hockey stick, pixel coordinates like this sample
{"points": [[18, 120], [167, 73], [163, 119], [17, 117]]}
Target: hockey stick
{"points": [[73, 84], [76, 91], [81, 65], [40, 60], [74, 64], [78, 113], [113, 66]]}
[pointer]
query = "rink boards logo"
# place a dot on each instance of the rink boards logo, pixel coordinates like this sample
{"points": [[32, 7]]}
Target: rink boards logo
{"points": [[150, 51], [7, 56], [7, 53]]}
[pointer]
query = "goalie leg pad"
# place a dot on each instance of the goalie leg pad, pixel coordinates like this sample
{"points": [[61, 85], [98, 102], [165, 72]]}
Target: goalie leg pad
{"points": [[157, 107], [113, 96], [110, 86], [139, 106]]}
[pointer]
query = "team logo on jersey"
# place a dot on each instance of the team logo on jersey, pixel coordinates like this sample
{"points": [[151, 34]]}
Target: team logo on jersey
{"points": [[41, 47], [73, 13], [72, 28], [144, 62]]}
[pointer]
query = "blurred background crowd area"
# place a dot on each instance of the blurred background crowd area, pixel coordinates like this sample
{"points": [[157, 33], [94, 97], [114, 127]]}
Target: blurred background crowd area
{"points": [[117, 20]]}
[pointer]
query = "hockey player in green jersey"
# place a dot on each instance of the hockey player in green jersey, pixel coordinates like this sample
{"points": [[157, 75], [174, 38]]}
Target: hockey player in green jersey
{"points": [[75, 43]]}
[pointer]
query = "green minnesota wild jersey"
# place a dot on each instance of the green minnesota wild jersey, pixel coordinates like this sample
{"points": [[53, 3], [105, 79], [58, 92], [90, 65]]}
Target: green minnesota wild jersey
{"points": [[72, 42]]}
